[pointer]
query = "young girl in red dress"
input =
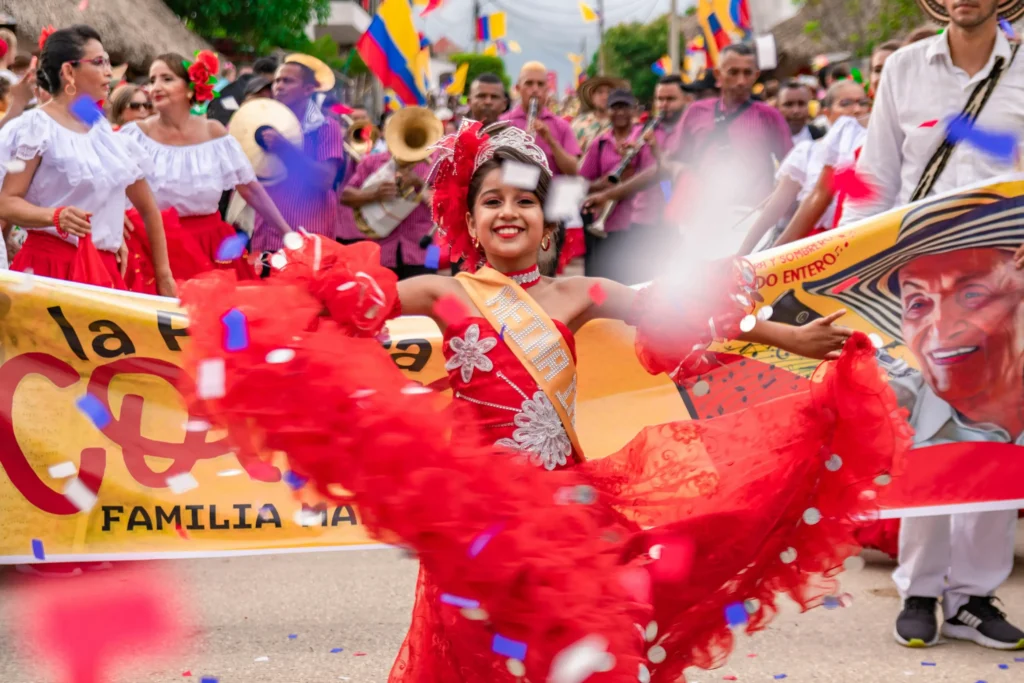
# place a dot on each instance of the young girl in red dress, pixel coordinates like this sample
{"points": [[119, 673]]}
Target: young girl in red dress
{"points": [[537, 563]]}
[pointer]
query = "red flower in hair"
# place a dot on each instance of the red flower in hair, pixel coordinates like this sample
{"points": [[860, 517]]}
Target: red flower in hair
{"points": [[204, 92], [198, 73], [208, 59], [451, 184], [44, 34]]}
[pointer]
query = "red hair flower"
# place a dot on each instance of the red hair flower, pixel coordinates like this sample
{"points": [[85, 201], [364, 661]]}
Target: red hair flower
{"points": [[204, 92], [208, 59], [44, 34]]}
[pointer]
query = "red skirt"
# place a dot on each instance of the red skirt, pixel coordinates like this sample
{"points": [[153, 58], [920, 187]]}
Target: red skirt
{"points": [[50, 256], [192, 245]]}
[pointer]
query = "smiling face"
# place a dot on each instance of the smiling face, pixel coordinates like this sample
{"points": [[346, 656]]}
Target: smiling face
{"points": [[963, 317], [167, 88], [508, 222]]}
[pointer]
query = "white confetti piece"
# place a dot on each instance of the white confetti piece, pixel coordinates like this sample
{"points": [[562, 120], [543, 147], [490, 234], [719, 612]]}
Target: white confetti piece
{"points": [[63, 470], [278, 356], [579, 661], [748, 323], [515, 667], [414, 389], [15, 166], [197, 426], [80, 495], [229, 103], [229, 473], [565, 197], [523, 176], [262, 659], [210, 378], [182, 483], [307, 518], [765, 312], [293, 240], [278, 261], [876, 340]]}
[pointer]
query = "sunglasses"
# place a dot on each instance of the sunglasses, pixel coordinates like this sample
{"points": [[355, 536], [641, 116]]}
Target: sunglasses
{"points": [[136, 106], [866, 102], [98, 62]]}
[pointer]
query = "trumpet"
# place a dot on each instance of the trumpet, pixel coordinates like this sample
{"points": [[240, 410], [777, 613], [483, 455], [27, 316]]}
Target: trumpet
{"points": [[532, 116], [596, 228], [360, 139]]}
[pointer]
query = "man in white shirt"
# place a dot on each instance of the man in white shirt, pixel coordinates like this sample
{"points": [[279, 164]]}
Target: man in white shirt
{"points": [[922, 86]]}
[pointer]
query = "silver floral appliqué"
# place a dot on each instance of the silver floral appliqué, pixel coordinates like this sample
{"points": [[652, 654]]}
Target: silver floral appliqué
{"points": [[470, 353], [539, 433]]}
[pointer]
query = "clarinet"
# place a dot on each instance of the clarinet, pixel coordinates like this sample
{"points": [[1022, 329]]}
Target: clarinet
{"points": [[615, 176], [531, 116]]}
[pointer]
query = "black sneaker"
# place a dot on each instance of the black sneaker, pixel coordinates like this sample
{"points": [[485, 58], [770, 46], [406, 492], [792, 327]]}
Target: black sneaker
{"points": [[917, 626], [984, 623]]}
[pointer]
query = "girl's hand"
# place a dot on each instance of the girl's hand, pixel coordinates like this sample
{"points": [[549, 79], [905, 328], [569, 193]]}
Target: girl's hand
{"points": [[820, 338], [122, 258], [75, 221], [165, 285]]}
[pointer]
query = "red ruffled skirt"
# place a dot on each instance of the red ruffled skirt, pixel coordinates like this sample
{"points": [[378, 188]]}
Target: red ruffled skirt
{"points": [[50, 256], [192, 246]]}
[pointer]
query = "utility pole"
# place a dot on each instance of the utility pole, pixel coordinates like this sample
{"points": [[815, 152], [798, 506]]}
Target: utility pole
{"points": [[376, 89], [673, 36], [476, 22], [600, 38]]}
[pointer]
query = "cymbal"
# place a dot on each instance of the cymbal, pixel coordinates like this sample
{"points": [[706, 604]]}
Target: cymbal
{"points": [[324, 74], [254, 115]]}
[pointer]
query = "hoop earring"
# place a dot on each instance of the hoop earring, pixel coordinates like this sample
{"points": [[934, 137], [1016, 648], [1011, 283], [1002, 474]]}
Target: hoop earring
{"points": [[545, 243], [74, 90]]}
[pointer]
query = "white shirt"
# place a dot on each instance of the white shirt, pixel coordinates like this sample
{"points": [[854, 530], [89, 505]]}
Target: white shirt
{"points": [[794, 166], [803, 136], [920, 84], [191, 178], [90, 171], [836, 150]]}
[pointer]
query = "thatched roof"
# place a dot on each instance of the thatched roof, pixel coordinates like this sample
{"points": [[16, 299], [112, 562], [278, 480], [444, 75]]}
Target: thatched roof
{"points": [[135, 31]]}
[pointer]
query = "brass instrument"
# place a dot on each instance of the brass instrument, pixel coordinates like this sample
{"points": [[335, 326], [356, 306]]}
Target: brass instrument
{"points": [[596, 228], [409, 134], [357, 143]]}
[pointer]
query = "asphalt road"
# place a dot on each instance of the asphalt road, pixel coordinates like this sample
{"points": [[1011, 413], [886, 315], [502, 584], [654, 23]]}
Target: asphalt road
{"points": [[244, 611]]}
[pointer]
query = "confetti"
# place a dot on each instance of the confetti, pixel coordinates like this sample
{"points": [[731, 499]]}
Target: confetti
{"points": [[229, 103], [847, 181], [779, 677], [181, 532], [876, 340], [730, 677], [278, 261], [432, 258], [513, 649], [261, 659], [481, 541], [465, 603], [293, 240], [515, 667], [358, 654], [736, 615], [1007, 29], [293, 636], [187, 674], [580, 660], [79, 494], [747, 323], [94, 410], [336, 650], [1001, 145], [927, 663], [37, 549], [63, 470], [657, 654], [565, 196], [929, 124], [307, 518], [295, 481], [1004, 666], [831, 602], [15, 166], [597, 294], [278, 356], [666, 189], [501, 333], [845, 284], [523, 176], [182, 483], [450, 309], [86, 110], [197, 426], [236, 331], [210, 378], [765, 312]]}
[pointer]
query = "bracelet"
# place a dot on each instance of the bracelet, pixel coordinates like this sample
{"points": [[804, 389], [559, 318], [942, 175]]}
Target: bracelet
{"points": [[56, 221]]}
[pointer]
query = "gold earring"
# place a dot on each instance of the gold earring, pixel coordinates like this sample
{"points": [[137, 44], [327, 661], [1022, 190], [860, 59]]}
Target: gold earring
{"points": [[74, 90], [545, 243], [476, 243]]}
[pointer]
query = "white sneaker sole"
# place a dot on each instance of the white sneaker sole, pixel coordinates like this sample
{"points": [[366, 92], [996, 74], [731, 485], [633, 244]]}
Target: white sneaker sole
{"points": [[975, 636], [914, 642]]}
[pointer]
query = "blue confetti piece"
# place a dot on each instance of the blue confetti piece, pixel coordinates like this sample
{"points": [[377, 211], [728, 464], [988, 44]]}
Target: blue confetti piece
{"points": [[1018, 659], [831, 602], [1003, 146], [231, 248], [666, 189], [94, 410], [37, 549], [87, 110], [293, 636], [927, 663], [433, 257], [236, 330], [779, 677], [1007, 29], [295, 481], [1004, 666], [208, 679], [513, 649], [736, 614], [481, 541], [502, 332], [464, 603], [336, 650]]}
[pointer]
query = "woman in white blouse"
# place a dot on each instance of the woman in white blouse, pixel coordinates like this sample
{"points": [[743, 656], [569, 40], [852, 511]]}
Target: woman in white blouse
{"points": [[77, 173], [193, 161]]}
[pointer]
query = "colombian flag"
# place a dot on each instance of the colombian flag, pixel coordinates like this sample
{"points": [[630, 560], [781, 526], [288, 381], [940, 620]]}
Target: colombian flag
{"points": [[714, 33], [491, 27], [391, 48], [739, 13], [663, 67]]}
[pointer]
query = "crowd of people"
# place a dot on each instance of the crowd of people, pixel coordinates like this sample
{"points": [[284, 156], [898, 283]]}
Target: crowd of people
{"points": [[138, 202]]}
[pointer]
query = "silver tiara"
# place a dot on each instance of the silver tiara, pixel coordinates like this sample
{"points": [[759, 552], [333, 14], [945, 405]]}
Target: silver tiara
{"points": [[501, 134]]}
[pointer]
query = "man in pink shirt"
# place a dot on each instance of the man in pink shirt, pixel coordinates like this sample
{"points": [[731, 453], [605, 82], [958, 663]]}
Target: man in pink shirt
{"points": [[554, 135]]}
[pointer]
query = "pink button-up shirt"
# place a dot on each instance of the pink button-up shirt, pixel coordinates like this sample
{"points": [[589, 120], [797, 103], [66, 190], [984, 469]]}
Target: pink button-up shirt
{"points": [[602, 158], [560, 129], [649, 205], [408, 233]]}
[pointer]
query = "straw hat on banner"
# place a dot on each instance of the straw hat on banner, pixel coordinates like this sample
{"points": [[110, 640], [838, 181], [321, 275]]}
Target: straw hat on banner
{"points": [[1011, 10], [324, 74]]}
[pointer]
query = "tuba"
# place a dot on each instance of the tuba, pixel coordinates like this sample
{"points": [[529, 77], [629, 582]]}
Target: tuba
{"points": [[410, 134], [360, 138]]}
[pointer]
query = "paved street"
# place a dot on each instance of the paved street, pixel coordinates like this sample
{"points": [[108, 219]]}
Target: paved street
{"points": [[246, 608]]}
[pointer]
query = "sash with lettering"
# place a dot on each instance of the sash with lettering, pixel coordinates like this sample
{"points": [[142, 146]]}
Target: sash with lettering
{"points": [[533, 338]]}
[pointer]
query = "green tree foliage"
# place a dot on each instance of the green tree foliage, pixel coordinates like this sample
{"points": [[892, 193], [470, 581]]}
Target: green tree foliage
{"points": [[860, 24], [479, 64], [259, 24], [631, 49]]}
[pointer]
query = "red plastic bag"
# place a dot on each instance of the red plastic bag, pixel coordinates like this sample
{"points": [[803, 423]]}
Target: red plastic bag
{"points": [[89, 267]]}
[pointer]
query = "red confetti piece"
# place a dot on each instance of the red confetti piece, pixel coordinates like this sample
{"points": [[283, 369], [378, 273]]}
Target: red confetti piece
{"points": [[730, 677], [597, 294], [929, 124], [450, 309], [358, 654], [846, 284], [181, 531], [341, 109], [850, 183], [84, 5], [187, 674]]}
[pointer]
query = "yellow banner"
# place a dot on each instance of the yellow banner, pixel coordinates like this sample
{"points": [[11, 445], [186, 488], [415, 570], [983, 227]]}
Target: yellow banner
{"points": [[166, 486]]}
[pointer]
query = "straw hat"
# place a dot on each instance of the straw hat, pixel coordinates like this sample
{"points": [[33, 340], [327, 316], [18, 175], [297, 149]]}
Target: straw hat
{"points": [[1011, 10], [588, 87], [260, 113], [324, 74]]}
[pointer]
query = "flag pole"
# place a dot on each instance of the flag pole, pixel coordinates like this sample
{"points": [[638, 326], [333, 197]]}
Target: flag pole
{"points": [[476, 22], [673, 37], [600, 38]]}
